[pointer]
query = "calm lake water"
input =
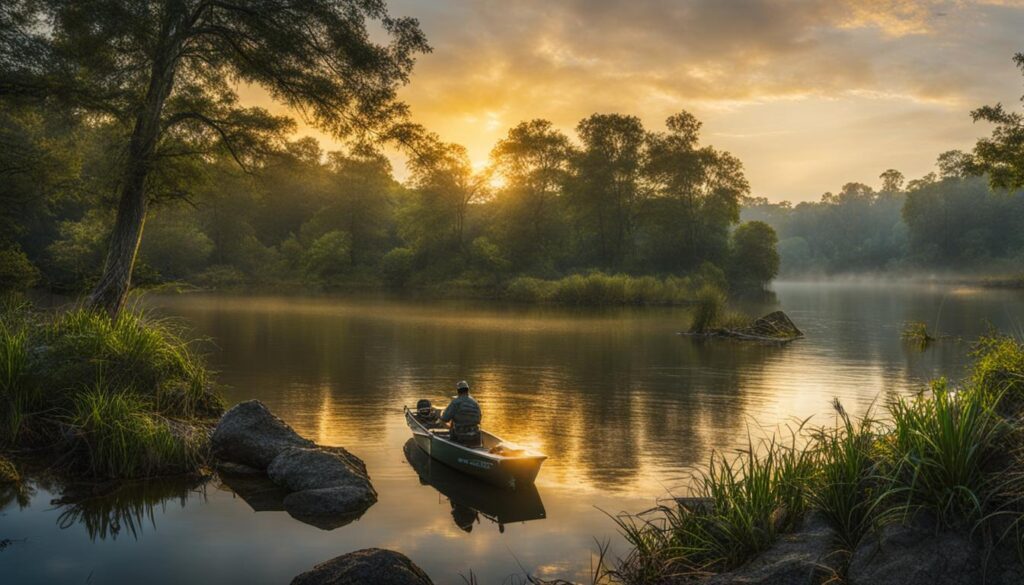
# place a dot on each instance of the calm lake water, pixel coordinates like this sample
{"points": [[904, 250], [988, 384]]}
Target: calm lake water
{"points": [[622, 405]]}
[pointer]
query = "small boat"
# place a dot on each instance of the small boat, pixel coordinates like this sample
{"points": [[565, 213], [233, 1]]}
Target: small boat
{"points": [[471, 498], [494, 461]]}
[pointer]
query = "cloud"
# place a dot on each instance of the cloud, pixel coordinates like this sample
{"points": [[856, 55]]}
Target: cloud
{"points": [[801, 90]]}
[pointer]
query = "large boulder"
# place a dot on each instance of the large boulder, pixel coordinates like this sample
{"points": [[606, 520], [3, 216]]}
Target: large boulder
{"points": [[300, 469], [801, 558], [371, 565], [251, 435]]}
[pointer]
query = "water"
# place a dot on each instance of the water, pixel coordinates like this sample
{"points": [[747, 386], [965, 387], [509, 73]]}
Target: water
{"points": [[621, 404]]}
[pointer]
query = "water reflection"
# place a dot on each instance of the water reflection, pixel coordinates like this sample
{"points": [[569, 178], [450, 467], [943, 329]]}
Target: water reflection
{"points": [[125, 508], [470, 499]]}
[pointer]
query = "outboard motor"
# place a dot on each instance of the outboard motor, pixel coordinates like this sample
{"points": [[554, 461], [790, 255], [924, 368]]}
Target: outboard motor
{"points": [[424, 408]]}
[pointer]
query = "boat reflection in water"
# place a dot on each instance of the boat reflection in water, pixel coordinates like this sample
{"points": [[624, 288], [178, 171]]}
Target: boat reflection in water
{"points": [[471, 498]]}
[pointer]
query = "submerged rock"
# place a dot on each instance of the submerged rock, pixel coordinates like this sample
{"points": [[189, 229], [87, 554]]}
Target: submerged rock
{"points": [[371, 565], [251, 435]]}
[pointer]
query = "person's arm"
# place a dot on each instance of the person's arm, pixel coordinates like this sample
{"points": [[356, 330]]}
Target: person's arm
{"points": [[449, 412]]}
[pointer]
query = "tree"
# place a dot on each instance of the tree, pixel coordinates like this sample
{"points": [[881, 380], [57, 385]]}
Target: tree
{"points": [[606, 189], [695, 198], [755, 260], [892, 181], [445, 186], [164, 70], [533, 161], [1001, 156]]}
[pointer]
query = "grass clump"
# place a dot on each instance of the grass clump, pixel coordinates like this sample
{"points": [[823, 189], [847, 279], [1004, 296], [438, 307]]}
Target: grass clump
{"points": [[944, 447], [711, 313], [111, 397], [853, 488], [740, 506], [916, 333], [8, 472]]}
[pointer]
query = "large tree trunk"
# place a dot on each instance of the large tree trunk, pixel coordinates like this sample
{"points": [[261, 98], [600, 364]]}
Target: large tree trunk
{"points": [[111, 291]]}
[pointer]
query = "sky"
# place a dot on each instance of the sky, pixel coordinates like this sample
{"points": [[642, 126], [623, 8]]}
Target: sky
{"points": [[809, 94]]}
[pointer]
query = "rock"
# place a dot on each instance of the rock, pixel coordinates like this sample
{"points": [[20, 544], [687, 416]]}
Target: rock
{"points": [[236, 469], [329, 508], [362, 567], [917, 555], [250, 434], [803, 557], [300, 469], [776, 325]]}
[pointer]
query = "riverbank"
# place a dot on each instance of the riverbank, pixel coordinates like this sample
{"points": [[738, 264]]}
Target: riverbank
{"points": [[940, 471]]}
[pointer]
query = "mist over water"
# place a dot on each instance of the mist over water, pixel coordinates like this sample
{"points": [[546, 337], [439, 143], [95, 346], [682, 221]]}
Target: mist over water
{"points": [[622, 405]]}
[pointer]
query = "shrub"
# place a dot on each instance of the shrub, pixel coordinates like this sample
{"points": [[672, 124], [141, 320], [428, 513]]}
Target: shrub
{"points": [[16, 271], [528, 290], [396, 266], [328, 257]]}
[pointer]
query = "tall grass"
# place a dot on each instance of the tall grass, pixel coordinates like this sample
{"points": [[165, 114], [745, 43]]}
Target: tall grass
{"points": [[740, 506], [916, 333], [943, 446], [600, 289], [853, 488], [115, 397], [951, 453]]}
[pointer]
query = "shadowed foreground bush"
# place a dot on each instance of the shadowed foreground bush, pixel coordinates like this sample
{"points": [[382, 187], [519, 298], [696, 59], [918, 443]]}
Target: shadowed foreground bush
{"points": [[948, 454], [112, 398]]}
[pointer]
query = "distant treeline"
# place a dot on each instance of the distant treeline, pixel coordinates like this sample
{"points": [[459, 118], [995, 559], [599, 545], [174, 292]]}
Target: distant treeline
{"points": [[949, 222], [618, 199]]}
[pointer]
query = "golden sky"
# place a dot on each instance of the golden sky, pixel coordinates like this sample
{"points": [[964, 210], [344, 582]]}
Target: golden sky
{"points": [[810, 94]]}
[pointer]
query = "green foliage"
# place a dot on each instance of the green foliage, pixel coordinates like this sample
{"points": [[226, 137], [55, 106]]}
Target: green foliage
{"points": [[754, 262], [999, 155], [122, 393], [328, 258], [599, 289], [16, 271], [999, 368], [708, 310], [853, 485], [916, 333], [119, 437], [944, 446], [397, 266]]}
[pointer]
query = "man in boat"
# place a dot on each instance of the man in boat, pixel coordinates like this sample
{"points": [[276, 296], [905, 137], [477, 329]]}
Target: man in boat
{"points": [[464, 415]]}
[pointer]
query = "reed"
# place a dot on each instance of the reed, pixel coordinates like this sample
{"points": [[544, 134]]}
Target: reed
{"points": [[916, 333]]}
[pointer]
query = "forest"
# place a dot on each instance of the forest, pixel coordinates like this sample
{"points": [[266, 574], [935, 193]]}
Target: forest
{"points": [[944, 223], [619, 199]]}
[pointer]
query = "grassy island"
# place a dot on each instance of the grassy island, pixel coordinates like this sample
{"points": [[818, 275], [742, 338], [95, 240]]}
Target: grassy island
{"points": [[105, 398]]}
